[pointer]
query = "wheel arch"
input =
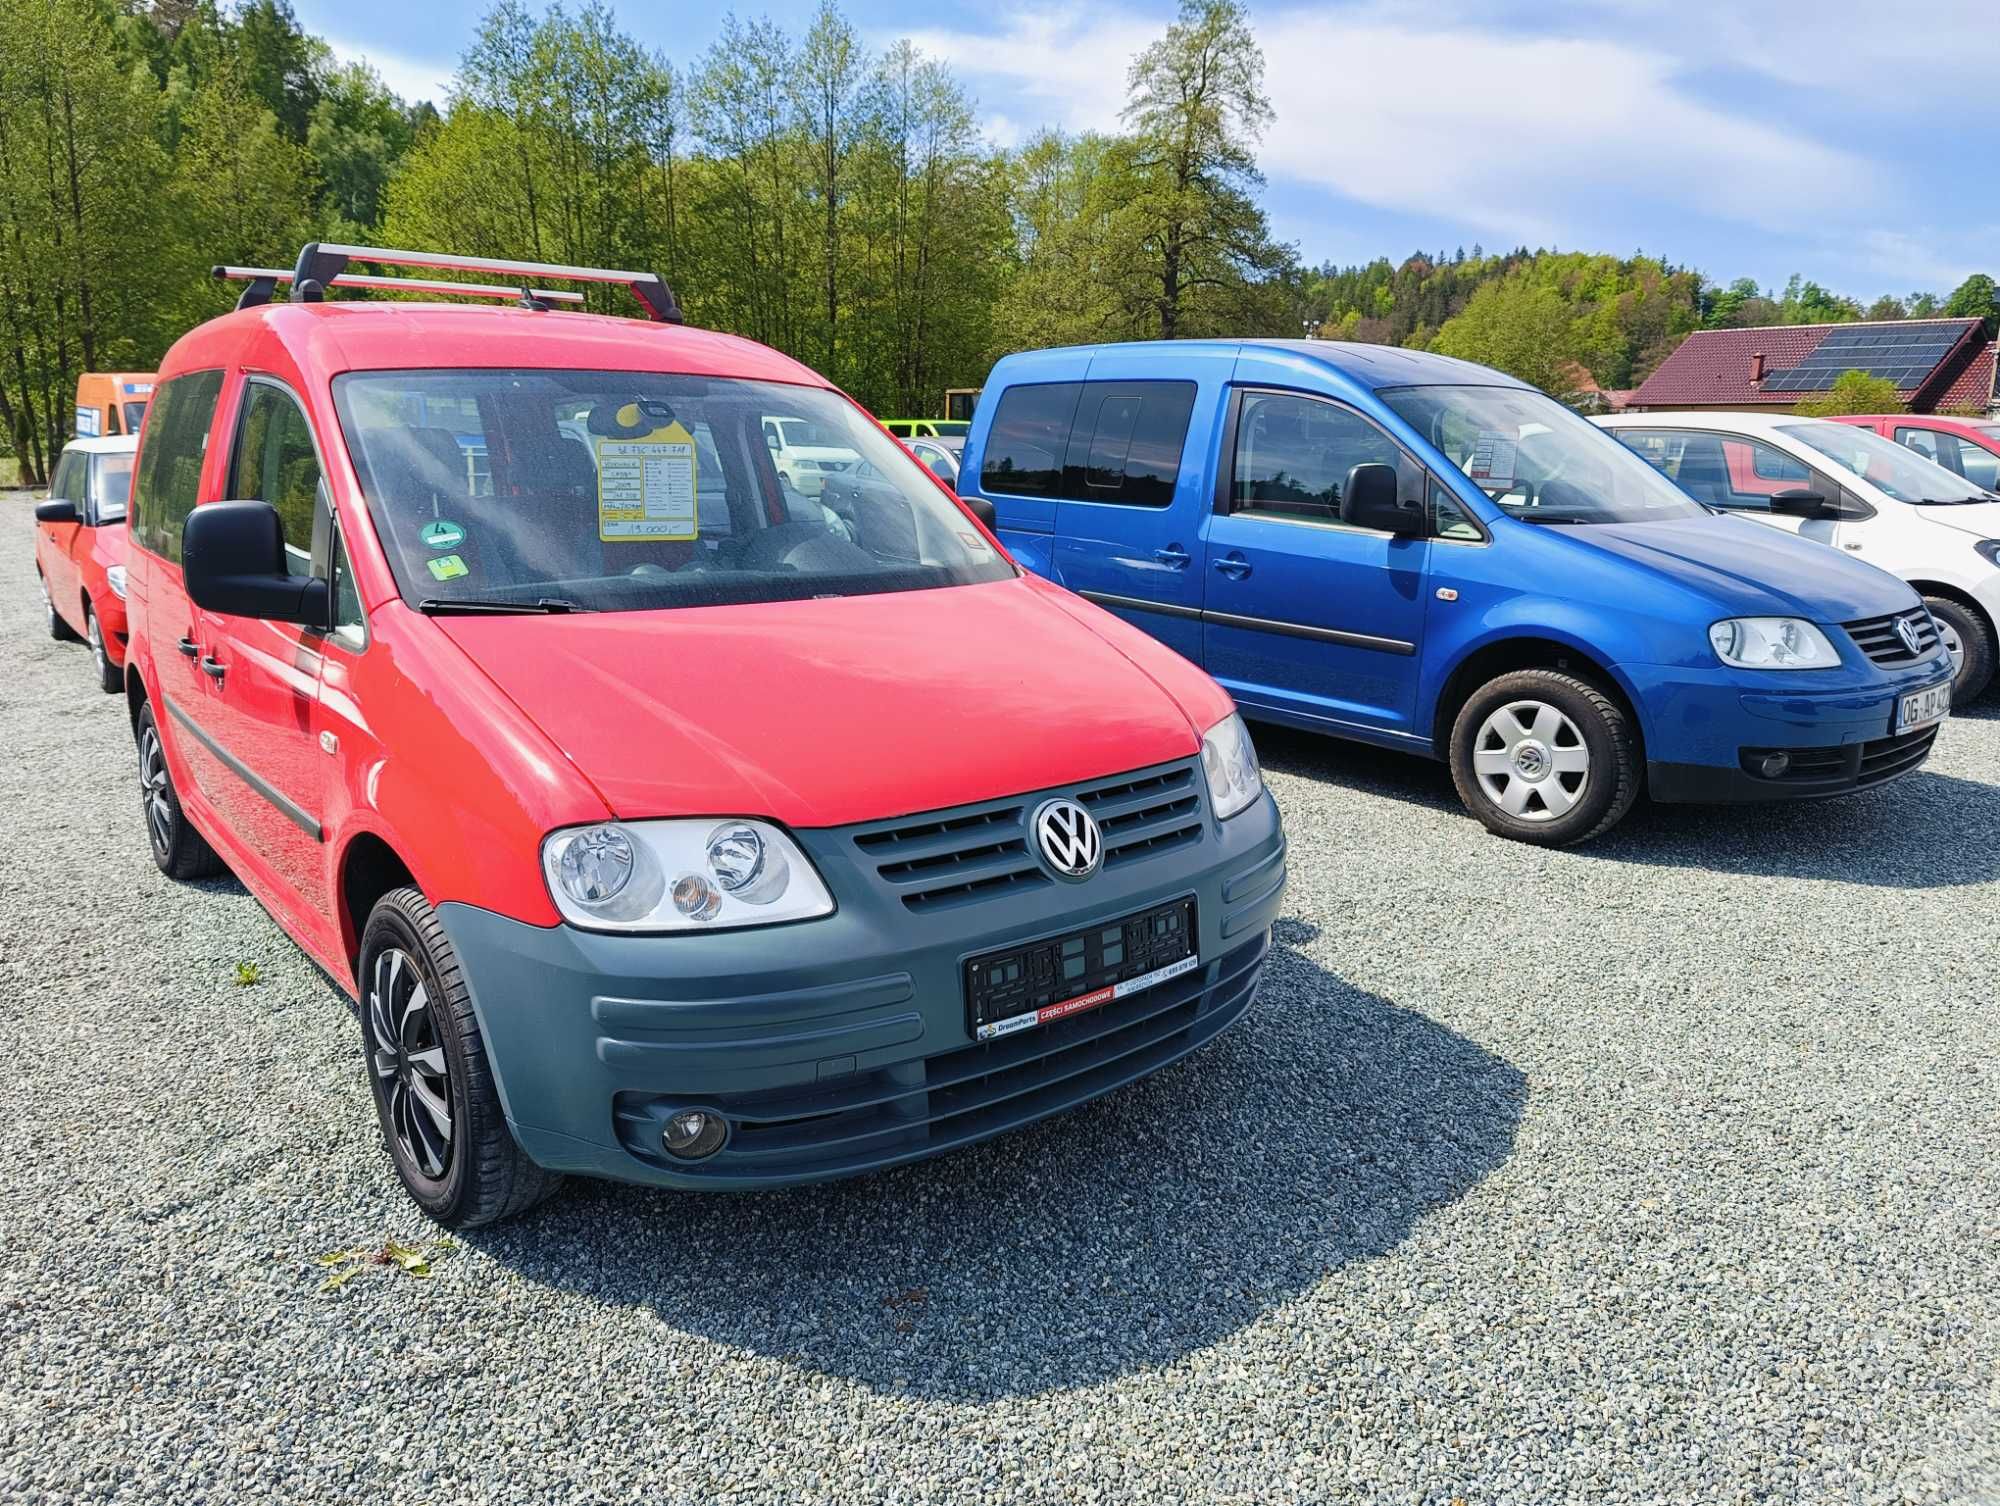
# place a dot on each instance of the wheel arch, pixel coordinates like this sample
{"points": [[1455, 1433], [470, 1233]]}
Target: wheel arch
{"points": [[1963, 598], [369, 868], [1501, 656]]}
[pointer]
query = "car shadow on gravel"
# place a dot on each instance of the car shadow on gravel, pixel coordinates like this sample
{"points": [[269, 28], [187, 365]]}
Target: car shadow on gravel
{"points": [[1356, 766], [1119, 1237]]}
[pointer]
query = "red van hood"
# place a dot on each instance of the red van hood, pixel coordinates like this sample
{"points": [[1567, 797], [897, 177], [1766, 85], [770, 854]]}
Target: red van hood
{"points": [[821, 713]]}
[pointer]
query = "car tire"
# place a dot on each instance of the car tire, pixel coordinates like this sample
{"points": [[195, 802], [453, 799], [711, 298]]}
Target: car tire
{"points": [[59, 630], [1542, 756], [1966, 633], [180, 850], [434, 1091], [109, 677]]}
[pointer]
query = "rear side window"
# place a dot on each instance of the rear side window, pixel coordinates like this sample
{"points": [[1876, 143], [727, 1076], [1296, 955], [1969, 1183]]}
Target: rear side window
{"points": [[1028, 440], [1126, 443], [168, 480], [275, 462]]}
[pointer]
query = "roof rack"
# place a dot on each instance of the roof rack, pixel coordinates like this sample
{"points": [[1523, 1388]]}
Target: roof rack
{"points": [[264, 281], [320, 263]]}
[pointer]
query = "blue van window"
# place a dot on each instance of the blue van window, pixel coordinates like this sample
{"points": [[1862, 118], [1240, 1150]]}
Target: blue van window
{"points": [[1127, 442], [1028, 440], [1293, 455]]}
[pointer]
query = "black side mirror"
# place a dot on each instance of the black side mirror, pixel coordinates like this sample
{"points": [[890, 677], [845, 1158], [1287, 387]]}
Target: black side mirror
{"points": [[233, 560], [1799, 502], [981, 509], [1371, 500], [56, 510]]}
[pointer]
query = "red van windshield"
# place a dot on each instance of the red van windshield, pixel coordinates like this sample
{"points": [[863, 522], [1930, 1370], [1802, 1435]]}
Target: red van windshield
{"points": [[628, 491]]}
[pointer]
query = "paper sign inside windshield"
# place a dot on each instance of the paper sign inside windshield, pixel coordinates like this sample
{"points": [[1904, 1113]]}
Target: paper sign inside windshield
{"points": [[1492, 462], [645, 487]]}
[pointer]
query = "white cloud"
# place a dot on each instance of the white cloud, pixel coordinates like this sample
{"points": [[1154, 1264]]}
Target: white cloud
{"points": [[1069, 68], [412, 78]]}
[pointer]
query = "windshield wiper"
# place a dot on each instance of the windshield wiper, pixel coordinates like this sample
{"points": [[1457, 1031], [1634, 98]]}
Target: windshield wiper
{"points": [[1535, 515], [445, 606]]}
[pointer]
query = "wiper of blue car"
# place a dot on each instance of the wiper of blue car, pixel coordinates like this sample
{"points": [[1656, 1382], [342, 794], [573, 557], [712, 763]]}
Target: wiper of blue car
{"points": [[1536, 515], [445, 606]]}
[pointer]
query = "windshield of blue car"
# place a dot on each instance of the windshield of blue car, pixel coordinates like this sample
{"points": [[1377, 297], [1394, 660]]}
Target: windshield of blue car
{"points": [[1894, 470], [111, 485], [606, 491], [1537, 459]]}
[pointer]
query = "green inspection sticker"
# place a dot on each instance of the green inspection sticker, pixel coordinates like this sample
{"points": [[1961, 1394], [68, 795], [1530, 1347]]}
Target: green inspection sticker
{"points": [[448, 568], [442, 533]]}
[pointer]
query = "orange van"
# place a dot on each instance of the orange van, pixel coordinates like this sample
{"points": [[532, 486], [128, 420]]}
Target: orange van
{"points": [[111, 402]]}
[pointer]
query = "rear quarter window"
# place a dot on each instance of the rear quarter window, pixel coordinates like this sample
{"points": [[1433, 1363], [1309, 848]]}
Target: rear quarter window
{"points": [[1028, 440], [167, 482]]}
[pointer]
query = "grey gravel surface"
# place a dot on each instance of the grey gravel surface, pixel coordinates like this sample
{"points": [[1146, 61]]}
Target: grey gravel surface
{"points": [[1667, 1170]]}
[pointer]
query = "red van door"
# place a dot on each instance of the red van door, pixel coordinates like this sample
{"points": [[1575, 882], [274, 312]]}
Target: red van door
{"points": [[265, 675], [166, 483]]}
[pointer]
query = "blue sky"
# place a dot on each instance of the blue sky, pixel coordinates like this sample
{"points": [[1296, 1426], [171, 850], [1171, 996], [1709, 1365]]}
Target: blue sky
{"points": [[1854, 142]]}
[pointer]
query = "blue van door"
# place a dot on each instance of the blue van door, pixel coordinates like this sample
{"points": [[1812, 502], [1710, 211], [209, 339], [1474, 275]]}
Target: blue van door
{"points": [[1135, 492], [1304, 616]]}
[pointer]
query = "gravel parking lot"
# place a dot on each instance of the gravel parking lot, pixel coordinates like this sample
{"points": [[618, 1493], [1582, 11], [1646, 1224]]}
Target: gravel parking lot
{"points": [[1666, 1170]]}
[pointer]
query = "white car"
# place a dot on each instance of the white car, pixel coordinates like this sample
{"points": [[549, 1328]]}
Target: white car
{"points": [[803, 455], [1853, 490]]}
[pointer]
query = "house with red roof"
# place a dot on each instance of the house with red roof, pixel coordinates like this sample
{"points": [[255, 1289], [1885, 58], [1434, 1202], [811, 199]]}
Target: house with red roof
{"points": [[1938, 365]]}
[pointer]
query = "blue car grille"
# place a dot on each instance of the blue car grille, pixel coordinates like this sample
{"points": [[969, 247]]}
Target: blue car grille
{"points": [[873, 1119], [965, 856], [1878, 638]]}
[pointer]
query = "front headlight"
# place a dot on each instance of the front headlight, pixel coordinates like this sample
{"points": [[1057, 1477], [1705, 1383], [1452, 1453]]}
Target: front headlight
{"points": [[1989, 550], [115, 576], [1230, 762], [680, 876], [1771, 643]]}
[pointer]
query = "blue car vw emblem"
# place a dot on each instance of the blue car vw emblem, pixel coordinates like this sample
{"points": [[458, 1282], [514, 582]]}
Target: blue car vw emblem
{"points": [[1906, 629], [1068, 836]]}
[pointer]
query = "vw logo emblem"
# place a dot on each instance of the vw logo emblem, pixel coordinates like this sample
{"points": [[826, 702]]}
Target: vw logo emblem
{"points": [[1069, 838], [1906, 629]]}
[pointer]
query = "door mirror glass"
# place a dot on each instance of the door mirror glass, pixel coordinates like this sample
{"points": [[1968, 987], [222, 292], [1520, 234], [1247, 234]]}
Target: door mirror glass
{"points": [[1370, 500], [55, 510], [233, 557]]}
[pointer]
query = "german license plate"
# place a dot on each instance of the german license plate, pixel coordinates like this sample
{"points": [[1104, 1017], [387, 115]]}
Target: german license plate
{"points": [[1048, 980], [1922, 708]]}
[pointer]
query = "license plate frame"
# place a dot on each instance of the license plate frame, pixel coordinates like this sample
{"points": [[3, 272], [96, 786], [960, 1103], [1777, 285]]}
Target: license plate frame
{"points": [[1035, 983], [1918, 709]]}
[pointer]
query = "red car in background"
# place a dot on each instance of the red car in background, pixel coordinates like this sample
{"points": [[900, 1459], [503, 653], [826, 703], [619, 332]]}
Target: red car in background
{"points": [[80, 550], [1968, 447]]}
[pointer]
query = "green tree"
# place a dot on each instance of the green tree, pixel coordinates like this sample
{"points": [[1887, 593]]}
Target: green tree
{"points": [[1976, 298], [1854, 392], [358, 135], [1519, 327], [1196, 109]]}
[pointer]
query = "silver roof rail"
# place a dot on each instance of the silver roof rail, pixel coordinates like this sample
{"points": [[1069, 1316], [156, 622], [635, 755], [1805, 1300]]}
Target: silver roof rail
{"points": [[264, 281], [321, 262]]}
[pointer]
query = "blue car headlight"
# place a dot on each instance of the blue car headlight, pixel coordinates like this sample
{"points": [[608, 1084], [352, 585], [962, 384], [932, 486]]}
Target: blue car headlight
{"points": [[1771, 643]]}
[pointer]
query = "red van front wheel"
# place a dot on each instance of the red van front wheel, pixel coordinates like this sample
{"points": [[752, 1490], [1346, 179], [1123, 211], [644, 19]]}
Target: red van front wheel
{"points": [[434, 1091]]}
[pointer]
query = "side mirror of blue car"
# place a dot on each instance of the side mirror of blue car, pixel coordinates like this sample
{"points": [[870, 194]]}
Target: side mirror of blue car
{"points": [[1372, 499]]}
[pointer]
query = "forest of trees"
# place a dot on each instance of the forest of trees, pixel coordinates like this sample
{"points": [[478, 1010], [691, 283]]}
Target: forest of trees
{"points": [[839, 203]]}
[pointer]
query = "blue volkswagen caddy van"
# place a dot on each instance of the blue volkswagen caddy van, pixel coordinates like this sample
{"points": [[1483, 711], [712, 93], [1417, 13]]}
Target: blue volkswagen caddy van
{"points": [[1426, 554]]}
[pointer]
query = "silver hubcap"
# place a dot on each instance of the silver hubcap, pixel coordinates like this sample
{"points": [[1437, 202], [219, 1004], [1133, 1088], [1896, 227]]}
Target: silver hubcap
{"points": [[1953, 644], [153, 790], [48, 605], [1531, 761], [96, 640], [409, 1060]]}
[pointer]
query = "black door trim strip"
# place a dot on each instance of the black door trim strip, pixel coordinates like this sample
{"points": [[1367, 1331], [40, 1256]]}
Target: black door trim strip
{"points": [[1254, 624], [299, 818]]}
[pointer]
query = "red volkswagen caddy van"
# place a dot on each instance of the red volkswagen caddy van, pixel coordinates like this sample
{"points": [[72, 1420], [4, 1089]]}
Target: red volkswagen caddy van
{"points": [[664, 823]]}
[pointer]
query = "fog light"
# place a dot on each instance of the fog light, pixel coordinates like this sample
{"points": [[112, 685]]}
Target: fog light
{"points": [[694, 1133], [1774, 764]]}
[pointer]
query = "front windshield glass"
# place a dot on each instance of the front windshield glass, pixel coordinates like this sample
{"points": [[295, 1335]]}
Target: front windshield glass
{"points": [[111, 485], [1537, 459], [1893, 469], [626, 491]]}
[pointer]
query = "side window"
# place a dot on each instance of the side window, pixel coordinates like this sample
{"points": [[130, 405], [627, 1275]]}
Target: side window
{"points": [[1450, 520], [169, 476], [1723, 470], [1979, 466], [67, 484], [1927, 444], [1125, 445], [348, 620], [1029, 437], [1293, 455], [275, 462]]}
